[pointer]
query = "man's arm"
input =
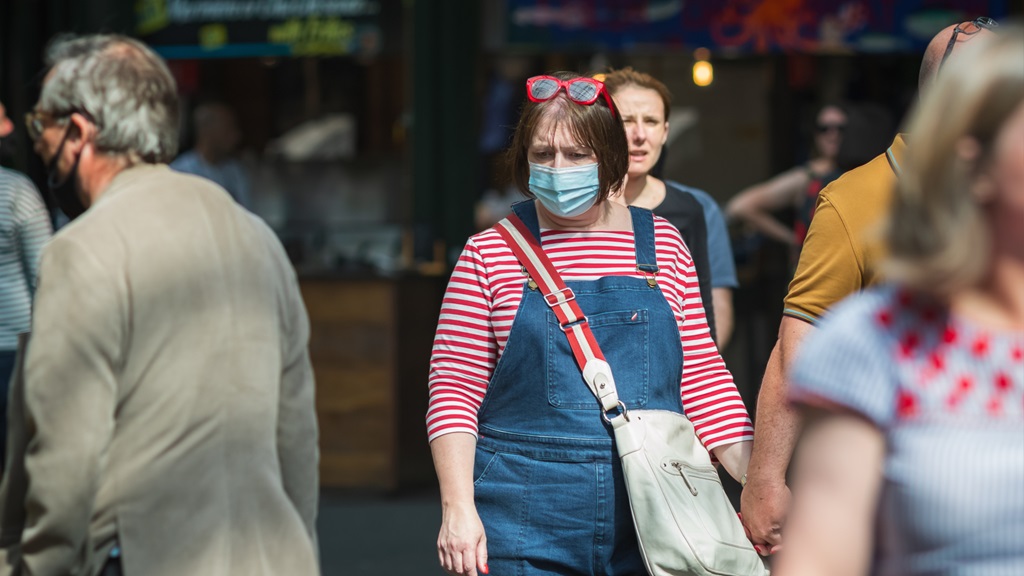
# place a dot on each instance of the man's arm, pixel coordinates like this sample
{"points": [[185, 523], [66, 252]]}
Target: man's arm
{"points": [[79, 327], [829, 270], [765, 498]]}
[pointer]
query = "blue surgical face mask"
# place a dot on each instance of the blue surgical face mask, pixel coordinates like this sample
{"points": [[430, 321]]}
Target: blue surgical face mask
{"points": [[565, 192]]}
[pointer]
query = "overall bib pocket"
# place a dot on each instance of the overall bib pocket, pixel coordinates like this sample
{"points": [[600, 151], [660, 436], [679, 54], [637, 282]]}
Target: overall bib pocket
{"points": [[625, 336]]}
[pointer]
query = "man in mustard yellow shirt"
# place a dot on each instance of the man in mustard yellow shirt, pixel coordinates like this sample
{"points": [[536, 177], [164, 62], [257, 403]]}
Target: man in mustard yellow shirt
{"points": [[843, 256], [838, 258]]}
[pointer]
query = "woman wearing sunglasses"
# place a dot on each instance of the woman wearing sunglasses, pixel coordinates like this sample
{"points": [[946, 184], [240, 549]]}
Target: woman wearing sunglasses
{"points": [[530, 480], [912, 461], [796, 188]]}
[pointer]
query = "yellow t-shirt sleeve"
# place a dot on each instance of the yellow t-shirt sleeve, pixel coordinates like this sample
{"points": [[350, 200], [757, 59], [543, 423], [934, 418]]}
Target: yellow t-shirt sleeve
{"points": [[828, 269]]}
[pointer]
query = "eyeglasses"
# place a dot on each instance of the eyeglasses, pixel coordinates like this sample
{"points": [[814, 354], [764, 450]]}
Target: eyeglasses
{"points": [[978, 23], [583, 91], [825, 128], [36, 122]]}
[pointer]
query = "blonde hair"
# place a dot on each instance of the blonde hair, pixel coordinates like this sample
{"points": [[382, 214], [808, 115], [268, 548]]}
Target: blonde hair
{"points": [[938, 236]]}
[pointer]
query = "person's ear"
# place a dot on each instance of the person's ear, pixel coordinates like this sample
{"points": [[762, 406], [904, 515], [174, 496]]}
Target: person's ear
{"points": [[81, 131], [664, 137]]}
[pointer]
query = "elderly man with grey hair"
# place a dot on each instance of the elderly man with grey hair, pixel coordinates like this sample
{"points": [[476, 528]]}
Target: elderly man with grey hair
{"points": [[168, 396]]}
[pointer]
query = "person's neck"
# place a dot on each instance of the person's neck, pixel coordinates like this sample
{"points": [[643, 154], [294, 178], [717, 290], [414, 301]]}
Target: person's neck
{"points": [[644, 191], [101, 171], [999, 300]]}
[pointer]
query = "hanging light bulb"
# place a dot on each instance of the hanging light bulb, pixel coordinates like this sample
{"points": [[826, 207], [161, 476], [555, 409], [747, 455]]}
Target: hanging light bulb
{"points": [[703, 72]]}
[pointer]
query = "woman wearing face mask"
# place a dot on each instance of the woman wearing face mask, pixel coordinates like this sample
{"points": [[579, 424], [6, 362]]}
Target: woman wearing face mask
{"points": [[530, 481]]}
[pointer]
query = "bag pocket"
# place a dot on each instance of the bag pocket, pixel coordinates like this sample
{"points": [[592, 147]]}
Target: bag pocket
{"points": [[707, 519]]}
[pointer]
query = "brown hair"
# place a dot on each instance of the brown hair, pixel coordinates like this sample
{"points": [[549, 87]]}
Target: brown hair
{"points": [[593, 126], [616, 80], [939, 241]]}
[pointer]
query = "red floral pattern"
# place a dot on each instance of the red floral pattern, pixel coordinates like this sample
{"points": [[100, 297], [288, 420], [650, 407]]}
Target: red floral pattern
{"points": [[957, 369]]}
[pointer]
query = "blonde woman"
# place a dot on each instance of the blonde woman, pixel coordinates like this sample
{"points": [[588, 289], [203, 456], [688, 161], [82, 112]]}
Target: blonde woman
{"points": [[913, 458]]}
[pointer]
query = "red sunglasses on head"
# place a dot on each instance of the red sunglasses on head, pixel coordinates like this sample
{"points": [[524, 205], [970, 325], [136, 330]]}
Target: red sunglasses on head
{"points": [[583, 91]]}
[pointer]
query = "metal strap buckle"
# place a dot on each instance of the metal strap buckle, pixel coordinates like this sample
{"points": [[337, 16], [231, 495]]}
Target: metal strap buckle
{"points": [[650, 276], [559, 296], [622, 408], [570, 325]]}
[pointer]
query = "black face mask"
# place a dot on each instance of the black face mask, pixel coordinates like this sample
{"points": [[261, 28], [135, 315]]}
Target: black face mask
{"points": [[64, 191]]}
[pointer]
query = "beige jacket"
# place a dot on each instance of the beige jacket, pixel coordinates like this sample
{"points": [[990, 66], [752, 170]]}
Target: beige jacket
{"points": [[168, 394]]}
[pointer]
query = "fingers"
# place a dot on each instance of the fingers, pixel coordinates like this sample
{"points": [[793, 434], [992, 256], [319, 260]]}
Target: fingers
{"points": [[746, 530], [760, 546], [773, 536], [764, 513], [460, 563], [481, 555], [467, 563], [463, 559], [765, 550], [766, 537]]}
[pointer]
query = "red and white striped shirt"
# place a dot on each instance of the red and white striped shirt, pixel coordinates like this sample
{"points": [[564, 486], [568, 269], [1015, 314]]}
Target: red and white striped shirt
{"points": [[484, 293]]}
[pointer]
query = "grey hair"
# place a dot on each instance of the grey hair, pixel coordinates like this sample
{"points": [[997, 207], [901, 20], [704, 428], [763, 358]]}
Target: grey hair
{"points": [[122, 86]]}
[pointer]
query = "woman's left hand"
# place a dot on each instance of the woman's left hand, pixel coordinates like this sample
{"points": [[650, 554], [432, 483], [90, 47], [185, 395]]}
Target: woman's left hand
{"points": [[462, 543]]}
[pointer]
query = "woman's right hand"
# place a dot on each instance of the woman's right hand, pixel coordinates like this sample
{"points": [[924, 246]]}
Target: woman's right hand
{"points": [[461, 543]]}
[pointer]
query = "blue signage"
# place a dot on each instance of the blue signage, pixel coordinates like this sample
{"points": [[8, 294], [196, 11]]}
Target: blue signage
{"points": [[739, 26]]}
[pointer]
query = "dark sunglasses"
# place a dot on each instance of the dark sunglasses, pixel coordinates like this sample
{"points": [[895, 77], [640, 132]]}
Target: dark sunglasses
{"points": [[825, 128], [583, 91], [978, 23]]}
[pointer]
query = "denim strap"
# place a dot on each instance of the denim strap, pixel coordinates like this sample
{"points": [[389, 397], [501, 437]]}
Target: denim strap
{"points": [[643, 238]]}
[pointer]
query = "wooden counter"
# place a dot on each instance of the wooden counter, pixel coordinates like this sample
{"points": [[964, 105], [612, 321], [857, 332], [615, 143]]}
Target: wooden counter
{"points": [[370, 347]]}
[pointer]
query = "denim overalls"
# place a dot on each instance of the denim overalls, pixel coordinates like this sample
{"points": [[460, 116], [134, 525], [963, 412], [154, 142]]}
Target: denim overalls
{"points": [[548, 484]]}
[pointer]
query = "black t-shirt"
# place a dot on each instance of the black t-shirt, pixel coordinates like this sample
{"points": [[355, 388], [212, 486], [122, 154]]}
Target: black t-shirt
{"points": [[685, 213]]}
